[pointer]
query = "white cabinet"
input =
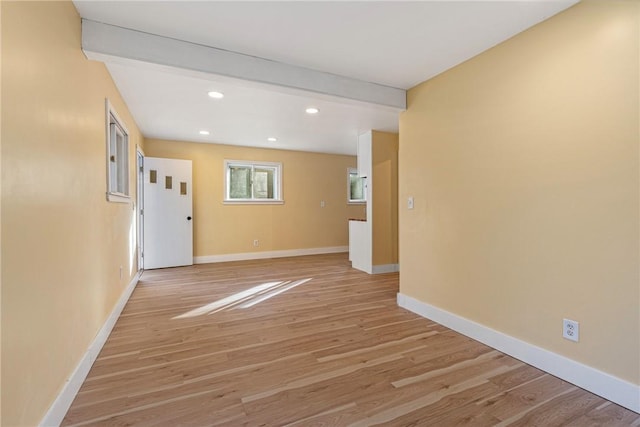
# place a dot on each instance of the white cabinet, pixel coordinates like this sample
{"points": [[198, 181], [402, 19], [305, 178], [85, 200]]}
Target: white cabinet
{"points": [[360, 245]]}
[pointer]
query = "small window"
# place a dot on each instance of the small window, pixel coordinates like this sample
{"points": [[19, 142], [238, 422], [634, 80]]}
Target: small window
{"points": [[252, 182], [117, 157], [356, 187]]}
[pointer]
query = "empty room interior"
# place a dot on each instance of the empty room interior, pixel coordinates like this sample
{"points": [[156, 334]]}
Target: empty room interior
{"points": [[320, 213]]}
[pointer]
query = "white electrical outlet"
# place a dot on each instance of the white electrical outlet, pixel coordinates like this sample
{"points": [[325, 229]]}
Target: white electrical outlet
{"points": [[410, 203], [571, 330], [255, 242], [322, 203]]}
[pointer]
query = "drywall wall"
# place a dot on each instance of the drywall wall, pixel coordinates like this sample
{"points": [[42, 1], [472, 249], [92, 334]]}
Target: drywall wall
{"points": [[524, 166], [299, 223], [62, 243], [384, 162]]}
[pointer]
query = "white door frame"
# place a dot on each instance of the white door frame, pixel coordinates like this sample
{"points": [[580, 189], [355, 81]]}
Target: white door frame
{"points": [[140, 204]]}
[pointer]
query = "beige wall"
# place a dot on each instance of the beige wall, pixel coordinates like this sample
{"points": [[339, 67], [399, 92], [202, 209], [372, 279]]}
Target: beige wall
{"points": [[299, 223], [62, 242], [524, 167], [384, 160]]}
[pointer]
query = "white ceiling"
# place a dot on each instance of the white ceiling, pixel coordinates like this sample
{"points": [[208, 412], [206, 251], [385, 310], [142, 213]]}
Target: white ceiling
{"points": [[392, 43], [172, 106]]}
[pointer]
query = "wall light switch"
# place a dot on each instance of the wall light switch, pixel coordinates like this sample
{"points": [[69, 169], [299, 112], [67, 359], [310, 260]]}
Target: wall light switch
{"points": [[410, 203], [322, 203]]}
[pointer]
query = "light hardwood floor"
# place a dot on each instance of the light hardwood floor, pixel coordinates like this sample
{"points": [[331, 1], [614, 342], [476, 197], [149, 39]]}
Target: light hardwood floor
{"points": [[252, 343]]}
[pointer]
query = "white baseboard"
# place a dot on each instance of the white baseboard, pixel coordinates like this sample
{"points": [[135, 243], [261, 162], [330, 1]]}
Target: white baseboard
{"points": [[60, 406], [268, 254], [611, 388], [385, 268]]}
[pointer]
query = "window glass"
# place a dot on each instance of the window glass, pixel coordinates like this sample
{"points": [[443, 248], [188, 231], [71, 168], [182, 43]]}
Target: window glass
{"points": [[356, 187], [263, 183], [247, 181], [239, 182]]}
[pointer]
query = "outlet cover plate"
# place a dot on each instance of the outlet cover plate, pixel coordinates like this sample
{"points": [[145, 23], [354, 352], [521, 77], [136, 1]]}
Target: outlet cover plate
{"points": [[571, 330]]}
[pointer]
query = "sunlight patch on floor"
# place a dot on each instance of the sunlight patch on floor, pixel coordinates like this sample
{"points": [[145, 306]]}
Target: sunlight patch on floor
{"points": [[245, 299]]}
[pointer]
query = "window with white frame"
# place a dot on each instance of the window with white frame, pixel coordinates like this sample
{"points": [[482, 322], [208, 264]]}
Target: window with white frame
{"points": [[252, 182], [117, 157], [356, 187]]}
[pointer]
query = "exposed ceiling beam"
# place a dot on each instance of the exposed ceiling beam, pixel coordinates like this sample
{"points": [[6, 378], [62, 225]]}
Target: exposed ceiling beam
{"points": [[104, 42]]}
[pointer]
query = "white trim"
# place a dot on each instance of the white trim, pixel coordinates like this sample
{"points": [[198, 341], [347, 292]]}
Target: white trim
{"points": [[118, 198], [61, 404], [385, 268], [114, 196], [253, 202], [269, 254], [611, 388], [139, 207]]}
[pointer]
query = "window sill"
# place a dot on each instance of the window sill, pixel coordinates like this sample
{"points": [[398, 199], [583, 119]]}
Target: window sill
{"points": [[253, 202], [357, 202], [118, 198]]}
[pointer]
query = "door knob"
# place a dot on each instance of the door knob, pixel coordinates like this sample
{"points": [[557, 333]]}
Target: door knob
{"points": [[188, 218]]}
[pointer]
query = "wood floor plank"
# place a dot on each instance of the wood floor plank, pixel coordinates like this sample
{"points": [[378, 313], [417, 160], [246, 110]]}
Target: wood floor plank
{"points": [[308, 341], [606, 414], [559, 410]]}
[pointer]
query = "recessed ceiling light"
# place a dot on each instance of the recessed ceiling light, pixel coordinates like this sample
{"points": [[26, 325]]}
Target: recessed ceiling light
{"points": [[312, 110], [204, 132], [272, 139], [216, 95]]}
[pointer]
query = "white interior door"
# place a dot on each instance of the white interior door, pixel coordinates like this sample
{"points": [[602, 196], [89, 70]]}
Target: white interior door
{"points": [[168, 226]]}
